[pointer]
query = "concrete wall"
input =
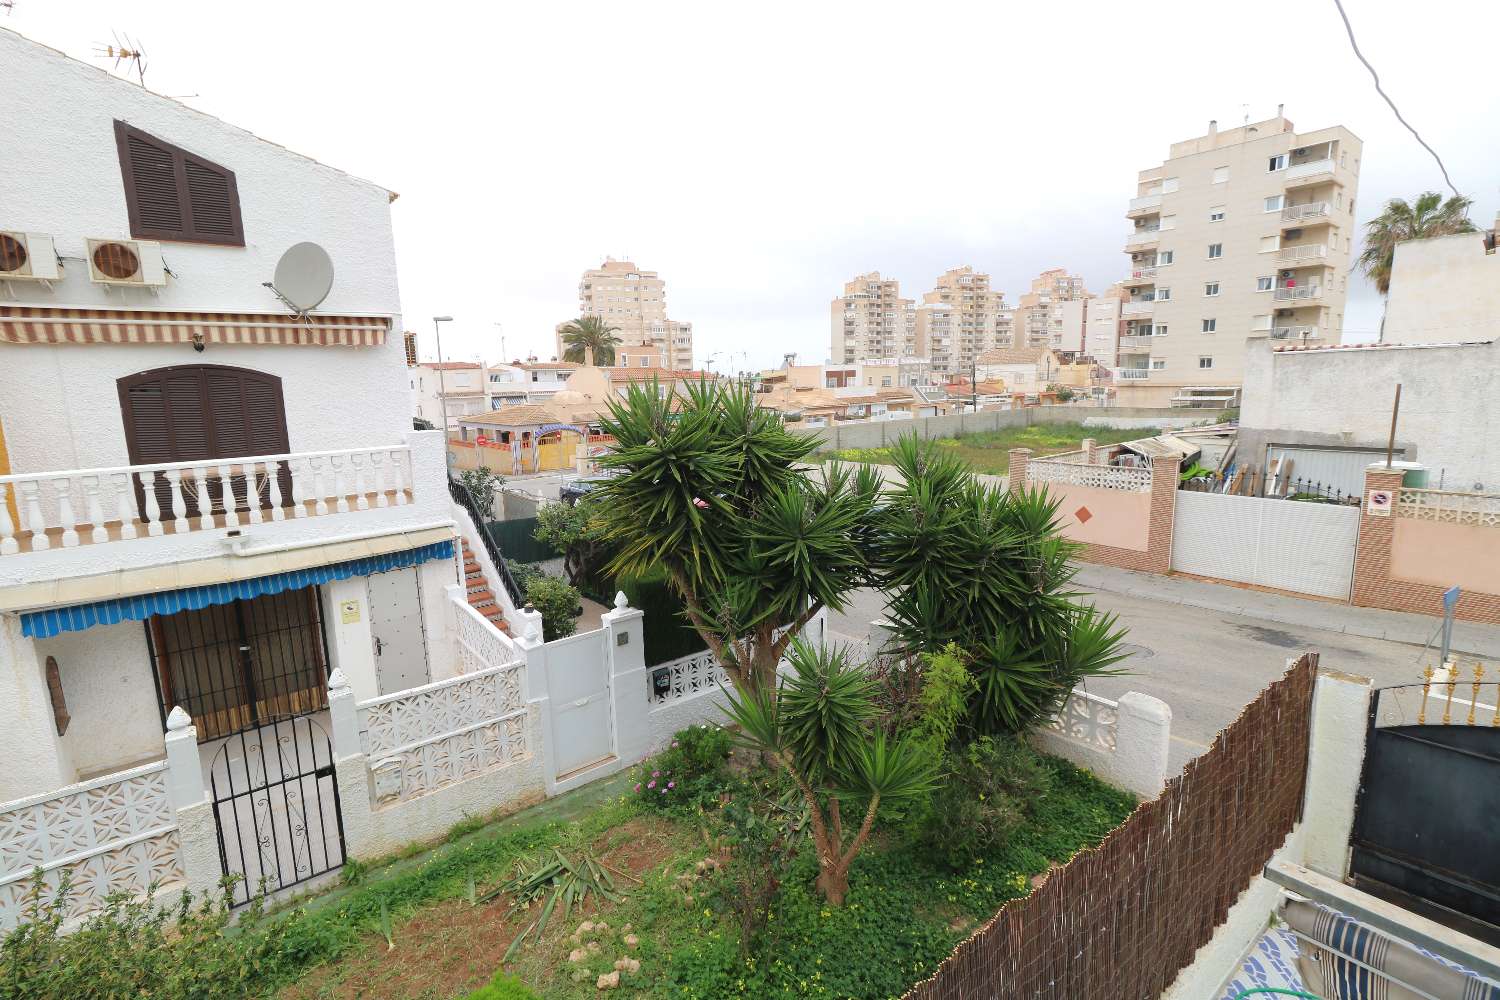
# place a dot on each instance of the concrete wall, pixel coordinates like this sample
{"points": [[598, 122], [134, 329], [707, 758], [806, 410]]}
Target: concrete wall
{"points": [[1446, 555], [1138, 762], [107, 679], [878, 433], [1341, 397], [1116, 517], [1443, 290]]}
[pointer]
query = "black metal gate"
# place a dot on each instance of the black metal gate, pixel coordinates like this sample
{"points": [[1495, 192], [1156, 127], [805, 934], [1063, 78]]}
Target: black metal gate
{"points": [[1429, 798], [276, 805]]}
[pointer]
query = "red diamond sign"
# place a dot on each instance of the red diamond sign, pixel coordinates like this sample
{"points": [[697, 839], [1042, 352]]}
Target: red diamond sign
{"points": [[1083, 515]]}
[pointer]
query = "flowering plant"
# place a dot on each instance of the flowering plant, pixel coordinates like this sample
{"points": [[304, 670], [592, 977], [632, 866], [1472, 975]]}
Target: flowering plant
{"points": [[688, 773]]}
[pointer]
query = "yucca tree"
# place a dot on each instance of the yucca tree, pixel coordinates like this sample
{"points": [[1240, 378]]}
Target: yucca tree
{"points": [[819, 730], [590, 341], [708, 489], [1425, 218], [962, 562]]}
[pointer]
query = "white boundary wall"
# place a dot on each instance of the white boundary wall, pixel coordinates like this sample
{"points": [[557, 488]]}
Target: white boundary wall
{"points": [[1125, 743], [1306, 548]]}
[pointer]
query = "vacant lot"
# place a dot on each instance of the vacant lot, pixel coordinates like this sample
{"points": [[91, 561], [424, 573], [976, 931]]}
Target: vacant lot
{"points": [[987, 452]]}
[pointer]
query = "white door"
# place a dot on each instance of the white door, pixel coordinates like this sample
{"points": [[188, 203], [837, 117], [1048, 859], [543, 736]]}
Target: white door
{"points": [[582, 713], [396, 631]]}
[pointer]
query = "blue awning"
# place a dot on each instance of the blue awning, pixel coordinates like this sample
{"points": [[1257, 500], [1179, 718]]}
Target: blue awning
{"points": [[43, 624]]}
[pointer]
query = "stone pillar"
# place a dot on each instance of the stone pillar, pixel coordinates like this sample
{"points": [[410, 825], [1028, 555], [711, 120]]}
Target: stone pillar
{"points": [[624, 644], [1019, 457], [35, 758], [197, 831], [1090, 451], [1340, 716], [1164, 470], [1142, 739], [1372, 551]]}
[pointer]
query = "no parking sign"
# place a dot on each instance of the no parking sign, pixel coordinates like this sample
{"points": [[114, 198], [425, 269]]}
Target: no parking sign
{"points": [[1378, 503]]}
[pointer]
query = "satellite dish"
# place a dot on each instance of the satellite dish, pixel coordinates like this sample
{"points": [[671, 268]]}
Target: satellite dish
{"points": [[303, 277]]}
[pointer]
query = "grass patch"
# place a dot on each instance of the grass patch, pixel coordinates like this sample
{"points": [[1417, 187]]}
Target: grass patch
{"points": [[988, 451]]}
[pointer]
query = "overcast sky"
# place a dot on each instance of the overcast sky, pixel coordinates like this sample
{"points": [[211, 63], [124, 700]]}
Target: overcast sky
{"points": [[759, 155]]}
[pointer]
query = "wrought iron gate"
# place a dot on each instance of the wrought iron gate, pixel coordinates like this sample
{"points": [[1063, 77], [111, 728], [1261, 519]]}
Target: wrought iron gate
{"points": [[1429, 795], [276, 805]]}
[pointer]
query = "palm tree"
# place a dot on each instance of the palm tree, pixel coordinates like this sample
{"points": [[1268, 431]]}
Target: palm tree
{"points": [[590, 340], [1429, 216]]}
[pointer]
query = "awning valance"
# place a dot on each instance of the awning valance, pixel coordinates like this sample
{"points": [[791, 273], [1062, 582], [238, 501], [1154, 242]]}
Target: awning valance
{"points": [[39, 325], [53, 621]]}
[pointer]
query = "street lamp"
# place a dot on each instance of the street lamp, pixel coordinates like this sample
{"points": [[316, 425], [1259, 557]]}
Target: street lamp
{"points": [[437, 326]]}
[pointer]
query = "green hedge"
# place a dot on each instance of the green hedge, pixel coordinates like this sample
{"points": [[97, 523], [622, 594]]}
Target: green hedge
{"points": [[517, 541], [668, 634]]}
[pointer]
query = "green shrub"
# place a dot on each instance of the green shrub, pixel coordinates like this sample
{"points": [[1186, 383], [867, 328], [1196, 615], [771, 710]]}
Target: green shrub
{"points": [[992, 787], [140, 948], [687, 776], [558, 604], [502, 987]]}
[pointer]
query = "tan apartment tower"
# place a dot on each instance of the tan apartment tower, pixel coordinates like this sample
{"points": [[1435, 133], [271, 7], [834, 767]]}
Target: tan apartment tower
{"points": [[872, 320], [635, 302], [1241, 233], [959, 320], [1051, 314]]}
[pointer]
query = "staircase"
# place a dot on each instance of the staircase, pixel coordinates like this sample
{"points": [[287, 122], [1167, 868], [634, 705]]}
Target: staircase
{"points": [[481, 594]]}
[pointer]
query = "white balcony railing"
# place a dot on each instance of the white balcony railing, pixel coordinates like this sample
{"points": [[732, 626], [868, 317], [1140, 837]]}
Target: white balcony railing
{"points": [[1310, 251], [1132, 374], [1304, 213], [1140, 307], [1143, 274], [1309, 169], [1145, 202], [1298, 293], [94, 506], [1135, 343], [1294, 333]]}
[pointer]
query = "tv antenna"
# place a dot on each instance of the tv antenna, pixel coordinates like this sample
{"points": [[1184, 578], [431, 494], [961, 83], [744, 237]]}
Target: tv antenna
{"points": [[124, 50]]}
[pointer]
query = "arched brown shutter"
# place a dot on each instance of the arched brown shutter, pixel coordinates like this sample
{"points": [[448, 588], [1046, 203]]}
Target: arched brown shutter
{"points": [[171, 194], [189, 413]]}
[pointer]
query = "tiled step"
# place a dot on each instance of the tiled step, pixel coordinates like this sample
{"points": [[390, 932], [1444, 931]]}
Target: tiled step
{"points": [[480, 595]]}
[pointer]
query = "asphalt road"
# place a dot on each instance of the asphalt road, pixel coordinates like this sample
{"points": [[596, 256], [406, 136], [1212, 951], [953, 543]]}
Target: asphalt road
{"points": [[1206, 665]]}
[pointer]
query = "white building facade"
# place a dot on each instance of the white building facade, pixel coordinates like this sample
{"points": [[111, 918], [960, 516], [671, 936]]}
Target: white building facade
{"points": [[209, 510]]}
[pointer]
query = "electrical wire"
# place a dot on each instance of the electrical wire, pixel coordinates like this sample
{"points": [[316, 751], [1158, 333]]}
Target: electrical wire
{"points": [[1397, 111]]}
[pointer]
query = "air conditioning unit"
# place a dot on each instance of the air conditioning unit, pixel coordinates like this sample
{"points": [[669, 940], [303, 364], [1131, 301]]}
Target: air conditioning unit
{"points": [[27, 257], [1300, 152], [1292, 234], [134, 263], [1286, 275]]}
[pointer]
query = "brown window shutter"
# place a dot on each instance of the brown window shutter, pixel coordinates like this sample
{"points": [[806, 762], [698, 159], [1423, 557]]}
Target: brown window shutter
{"points": [[173, 195]]}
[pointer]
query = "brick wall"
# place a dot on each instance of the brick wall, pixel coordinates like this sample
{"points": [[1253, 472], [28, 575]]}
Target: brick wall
{"points": [[1158, 555], [1374, 585]]}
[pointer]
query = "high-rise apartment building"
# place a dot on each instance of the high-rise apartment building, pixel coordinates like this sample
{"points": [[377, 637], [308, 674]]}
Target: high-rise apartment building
{"points": [[1051, 314], [1101, 340], [635, 303], [1240, 233], [872, 320], [959, 320]]}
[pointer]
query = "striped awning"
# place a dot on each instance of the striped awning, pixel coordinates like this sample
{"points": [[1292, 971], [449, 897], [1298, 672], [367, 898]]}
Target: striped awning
{"points": [[53, 621], [38, 325]]}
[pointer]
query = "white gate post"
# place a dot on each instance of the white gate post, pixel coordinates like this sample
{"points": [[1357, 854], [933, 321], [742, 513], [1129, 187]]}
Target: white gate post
{"points": [[351, 767], [343, 716], [1142, 738], [533, 650], [197, 834], [625, 649]]}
